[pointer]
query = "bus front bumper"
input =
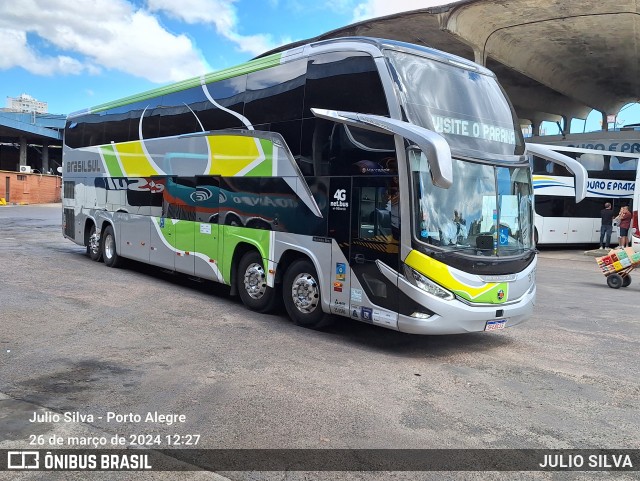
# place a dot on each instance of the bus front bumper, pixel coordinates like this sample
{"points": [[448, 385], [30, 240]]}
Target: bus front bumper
{"points": [[457, 317]]}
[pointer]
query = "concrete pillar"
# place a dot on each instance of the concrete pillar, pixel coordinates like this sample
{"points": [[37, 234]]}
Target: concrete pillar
{"points": [[23, 151], [535, 128], [478, 57], [45, 159]]}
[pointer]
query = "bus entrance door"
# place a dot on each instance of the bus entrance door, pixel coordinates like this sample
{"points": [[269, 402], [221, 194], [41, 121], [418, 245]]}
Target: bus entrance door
{"points": [[374, 256]]}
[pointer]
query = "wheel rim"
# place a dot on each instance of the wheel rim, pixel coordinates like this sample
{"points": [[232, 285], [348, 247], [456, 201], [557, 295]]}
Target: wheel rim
{"points": [[255, 281], [305, 293], [94, 243], [109, 247]]}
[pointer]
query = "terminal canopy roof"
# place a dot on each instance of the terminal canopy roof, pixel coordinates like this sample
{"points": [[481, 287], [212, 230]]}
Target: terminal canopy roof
{"points": [[554, 58]]}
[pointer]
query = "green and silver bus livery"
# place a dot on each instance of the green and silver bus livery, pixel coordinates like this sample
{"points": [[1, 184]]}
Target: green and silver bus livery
{"points": [[359, 177]]}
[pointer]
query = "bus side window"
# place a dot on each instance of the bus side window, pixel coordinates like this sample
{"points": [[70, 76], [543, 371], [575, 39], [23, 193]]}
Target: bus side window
{"points": [[290, 131], [339, 81], [275, 94], [93, 133], [122, 124], [314, 147], [157, 187], [117, 127], [240, 202], [344, 81], [73, 133], [228, 93], [116, 193], [178, 199], [539, 165], [623, 163], [176, 116], [207, 197], [330, 148]]}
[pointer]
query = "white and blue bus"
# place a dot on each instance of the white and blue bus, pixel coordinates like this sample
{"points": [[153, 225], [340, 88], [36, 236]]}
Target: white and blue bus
{"points": [[611, 160]]}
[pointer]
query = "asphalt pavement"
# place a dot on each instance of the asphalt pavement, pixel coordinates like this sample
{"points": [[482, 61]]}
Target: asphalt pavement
{"points": [[78, 337]]}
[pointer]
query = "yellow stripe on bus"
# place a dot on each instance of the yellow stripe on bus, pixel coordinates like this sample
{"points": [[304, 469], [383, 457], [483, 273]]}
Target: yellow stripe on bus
{"points": [[231, 153], [441, 274], [134, 161]]}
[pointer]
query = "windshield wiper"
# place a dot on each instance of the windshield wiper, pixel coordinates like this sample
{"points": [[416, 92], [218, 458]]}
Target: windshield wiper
{"points": [[452, 250]]}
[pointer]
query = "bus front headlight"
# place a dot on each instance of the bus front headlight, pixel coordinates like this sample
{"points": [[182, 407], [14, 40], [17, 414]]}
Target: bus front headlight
{"points": [[428, 285]]}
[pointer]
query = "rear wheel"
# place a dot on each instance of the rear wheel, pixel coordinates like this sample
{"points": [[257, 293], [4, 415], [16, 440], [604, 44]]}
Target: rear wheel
{"points": [[626, 281], [301, 294], [252, 284], [111, 257], [93, 246], [614, 281]]}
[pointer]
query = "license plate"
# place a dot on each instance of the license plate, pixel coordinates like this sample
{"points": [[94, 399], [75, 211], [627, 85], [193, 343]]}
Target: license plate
{"points": [[495, 325]]}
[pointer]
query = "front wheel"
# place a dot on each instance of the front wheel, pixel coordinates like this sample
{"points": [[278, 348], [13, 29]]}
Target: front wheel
{"points": [[252, 284], [301, 294], [93, 246], [111, 257]]}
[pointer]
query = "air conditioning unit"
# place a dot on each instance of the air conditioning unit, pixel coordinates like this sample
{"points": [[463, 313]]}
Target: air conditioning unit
{"points": [[25, 169]]}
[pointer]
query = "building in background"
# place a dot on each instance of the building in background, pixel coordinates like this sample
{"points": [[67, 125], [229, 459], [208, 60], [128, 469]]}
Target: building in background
{"points": [[26, 104], [30, 152]]}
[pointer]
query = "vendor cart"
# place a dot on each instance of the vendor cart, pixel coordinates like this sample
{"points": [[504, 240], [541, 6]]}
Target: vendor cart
{"points": [[617, 266]]}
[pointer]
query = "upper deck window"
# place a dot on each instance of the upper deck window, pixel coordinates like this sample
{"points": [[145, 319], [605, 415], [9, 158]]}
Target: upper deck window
{"points": [[344, 81], [465, 106]]}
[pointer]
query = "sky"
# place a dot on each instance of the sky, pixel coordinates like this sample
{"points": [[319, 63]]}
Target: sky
{"points": [[75, 54], [82, 53]]}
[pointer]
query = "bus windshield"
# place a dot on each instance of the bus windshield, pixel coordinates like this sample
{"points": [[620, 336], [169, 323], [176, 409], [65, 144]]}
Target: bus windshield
{"points": [[466, 107], [487, 211]]}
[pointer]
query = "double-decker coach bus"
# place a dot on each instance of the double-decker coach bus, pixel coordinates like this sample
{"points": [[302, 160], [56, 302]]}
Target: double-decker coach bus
{"points": [[359, 177], [611, 160]]}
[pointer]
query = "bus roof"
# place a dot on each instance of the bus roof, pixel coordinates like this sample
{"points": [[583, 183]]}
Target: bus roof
{"points": [[251, 66], [383, 43], [263, 62], [579, 150]]}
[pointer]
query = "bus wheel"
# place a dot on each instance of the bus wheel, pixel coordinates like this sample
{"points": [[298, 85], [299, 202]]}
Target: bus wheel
{"points": [[93, 246], [535, 237], [252, 284], [111, 257], [302, 295]]}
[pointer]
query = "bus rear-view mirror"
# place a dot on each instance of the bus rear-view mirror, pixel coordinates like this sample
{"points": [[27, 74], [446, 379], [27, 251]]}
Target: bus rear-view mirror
{"points": [[572, 165], [432, 145]]}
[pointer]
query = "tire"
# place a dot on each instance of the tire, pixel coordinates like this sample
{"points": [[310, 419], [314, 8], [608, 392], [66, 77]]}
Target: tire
{"points": [[626, 281], [94, 249], [109, 253], [535, 237], [252, 284], [614, 281], [302, 297]]}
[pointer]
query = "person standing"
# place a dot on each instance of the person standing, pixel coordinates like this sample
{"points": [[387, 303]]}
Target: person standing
{"points": [[624, 221], [606, 228]]}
